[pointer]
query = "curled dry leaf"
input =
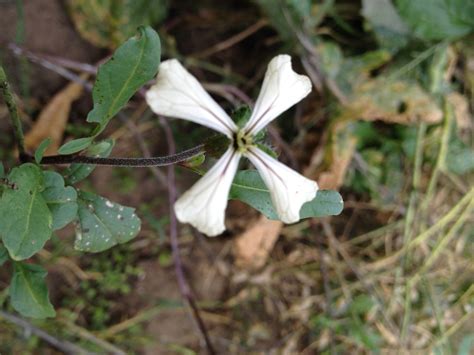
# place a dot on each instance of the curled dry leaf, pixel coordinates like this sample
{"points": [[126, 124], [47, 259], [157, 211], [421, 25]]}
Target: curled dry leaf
{"points": [[392, 101], [461, 110], [53, 119], [340, 151]]}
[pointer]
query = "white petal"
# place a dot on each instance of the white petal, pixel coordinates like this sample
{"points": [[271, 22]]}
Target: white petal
{"points": [[203, 205], [178, 94], [281, 89], [289, 190]]}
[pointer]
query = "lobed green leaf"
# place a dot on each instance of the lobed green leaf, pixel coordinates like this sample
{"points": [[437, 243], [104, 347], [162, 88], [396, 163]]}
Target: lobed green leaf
{"points": [[25, 220], [438, 19], [61, 200], [103, 224]]}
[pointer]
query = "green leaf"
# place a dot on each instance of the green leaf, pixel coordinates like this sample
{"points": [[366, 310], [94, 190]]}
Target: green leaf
{"points": [[361, 304], [390, 30], [326, 203], [25, 220], [2, 170], [438, 19], [460, 159], [103, 224], [41, 149], [196, 161], [3, 254], [77, 172], [75, 146], [298, 11], [61, 200], [364, 335], [466, 345], [267, 149], [241, 115], [133, 64], [29, 292], [331, 58], [249, 187]]}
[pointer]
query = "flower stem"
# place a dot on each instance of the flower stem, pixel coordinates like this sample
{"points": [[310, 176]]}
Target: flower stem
{"points": [[182, 281], [121, 162], [12, 108]]}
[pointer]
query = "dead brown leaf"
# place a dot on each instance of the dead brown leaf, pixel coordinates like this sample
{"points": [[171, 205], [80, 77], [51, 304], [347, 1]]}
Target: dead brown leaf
{"points": [[339, 154], [461, 110], [252, 247], [53, 119]]}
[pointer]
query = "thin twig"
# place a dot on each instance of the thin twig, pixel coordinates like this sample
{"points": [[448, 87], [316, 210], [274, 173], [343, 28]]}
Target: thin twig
{"points": [[326, 285], [58, 69], [441, 160], [442, 243], [182, 282], [62, 345], [232, 40], [440, 224], [362, 277], [410, 229], [12, 108], [86, 335]]}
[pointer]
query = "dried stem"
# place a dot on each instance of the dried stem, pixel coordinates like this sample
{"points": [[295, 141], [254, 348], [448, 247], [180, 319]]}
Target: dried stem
{"points": [[62, 345], [326, 285]]}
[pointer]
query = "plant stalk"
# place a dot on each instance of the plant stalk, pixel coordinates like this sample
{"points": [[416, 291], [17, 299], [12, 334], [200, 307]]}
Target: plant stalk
{"points": [[13, 110], [120, 162]]}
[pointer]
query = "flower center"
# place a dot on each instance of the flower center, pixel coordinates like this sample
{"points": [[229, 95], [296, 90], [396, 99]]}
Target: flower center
{"points": [[242, 141]]}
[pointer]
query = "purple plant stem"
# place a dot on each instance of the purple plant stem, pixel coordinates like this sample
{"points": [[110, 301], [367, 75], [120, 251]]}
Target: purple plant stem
{"points": [[181, 278]]}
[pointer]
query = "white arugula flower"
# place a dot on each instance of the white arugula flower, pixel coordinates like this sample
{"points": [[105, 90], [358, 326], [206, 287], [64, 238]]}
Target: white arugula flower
{"points": [[178, 94]]}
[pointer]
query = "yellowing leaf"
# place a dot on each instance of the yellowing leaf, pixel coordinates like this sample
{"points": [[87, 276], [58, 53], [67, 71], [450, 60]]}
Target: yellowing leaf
{"points": [[396, 101], [108, 23]]}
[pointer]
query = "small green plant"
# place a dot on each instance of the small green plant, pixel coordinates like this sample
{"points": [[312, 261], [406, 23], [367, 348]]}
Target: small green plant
{"points": [[98, 298], [35, 201]]}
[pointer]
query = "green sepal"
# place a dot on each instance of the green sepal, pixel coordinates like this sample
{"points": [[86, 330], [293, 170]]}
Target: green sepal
{"points": [[216, 145], [195, 161], [241, 115], [267, 150]]}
